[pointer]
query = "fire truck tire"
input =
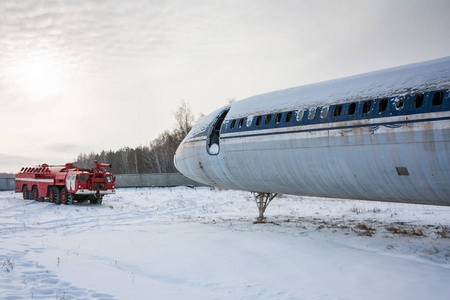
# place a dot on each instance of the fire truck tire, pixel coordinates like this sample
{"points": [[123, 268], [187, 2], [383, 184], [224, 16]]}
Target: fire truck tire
{"points": [[95, 200], [51, 195], [69, 199], [56, 196], [35, 193], [64, 196], [25, 193]]}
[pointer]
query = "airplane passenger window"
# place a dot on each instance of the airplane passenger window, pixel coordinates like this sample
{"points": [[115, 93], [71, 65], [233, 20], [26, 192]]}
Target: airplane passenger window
{"points": [[366, 107], [382, 105], [232, 124], [351, 109], [337, 110], [268, 119], [278, 119], [324, 112], [312, 113], [300, 114], [399, 103], [289, 116], [258, 120], [438, 97], [418, 101]]}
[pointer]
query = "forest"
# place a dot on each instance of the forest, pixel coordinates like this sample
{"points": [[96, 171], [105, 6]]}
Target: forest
{"points": [[156, 157]]}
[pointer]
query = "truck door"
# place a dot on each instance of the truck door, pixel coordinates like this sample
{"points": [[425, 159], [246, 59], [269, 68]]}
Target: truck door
{"points": [[68, 181], [72, 182]]}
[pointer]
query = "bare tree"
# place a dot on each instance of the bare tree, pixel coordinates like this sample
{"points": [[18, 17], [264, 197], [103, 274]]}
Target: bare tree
{"points": [[185, 119], [157, 157], [124, 154], [232, 100]]}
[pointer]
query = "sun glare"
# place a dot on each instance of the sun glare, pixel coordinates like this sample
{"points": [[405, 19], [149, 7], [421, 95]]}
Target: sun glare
{"points": [[39, 77]]}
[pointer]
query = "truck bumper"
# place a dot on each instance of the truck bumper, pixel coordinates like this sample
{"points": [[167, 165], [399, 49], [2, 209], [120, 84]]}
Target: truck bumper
{"points": [[90, 192]]}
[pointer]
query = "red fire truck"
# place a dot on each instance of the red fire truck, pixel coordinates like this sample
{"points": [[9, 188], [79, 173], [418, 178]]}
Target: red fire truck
{"points": [[65, 184]]}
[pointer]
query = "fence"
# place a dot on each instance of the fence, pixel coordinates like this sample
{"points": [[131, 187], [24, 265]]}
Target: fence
{"points": [[154, 179], [7, 182]]}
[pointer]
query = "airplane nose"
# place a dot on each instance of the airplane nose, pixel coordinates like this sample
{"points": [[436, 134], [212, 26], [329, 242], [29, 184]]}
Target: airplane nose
{"points": [[176, 158], [175, 162], [179, 158]]}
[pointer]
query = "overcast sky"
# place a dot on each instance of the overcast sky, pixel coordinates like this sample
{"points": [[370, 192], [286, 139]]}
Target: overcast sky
{"points": [[82, 76]]}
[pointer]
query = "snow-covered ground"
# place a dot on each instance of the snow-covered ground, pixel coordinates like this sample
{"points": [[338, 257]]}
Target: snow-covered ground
{"points": [[182, 243]]}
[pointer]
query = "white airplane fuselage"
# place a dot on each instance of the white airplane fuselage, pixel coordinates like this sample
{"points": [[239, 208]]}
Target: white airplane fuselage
{"points": [[381, 136]]}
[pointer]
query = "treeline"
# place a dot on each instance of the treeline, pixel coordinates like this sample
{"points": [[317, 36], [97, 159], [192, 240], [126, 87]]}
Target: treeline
{"points": [[157, 157]]}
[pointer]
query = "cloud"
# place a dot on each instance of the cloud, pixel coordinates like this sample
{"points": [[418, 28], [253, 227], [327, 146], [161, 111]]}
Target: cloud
{"points": [[109, 73], [65, 147], [6, 159], [13, 163], [102, 39]]}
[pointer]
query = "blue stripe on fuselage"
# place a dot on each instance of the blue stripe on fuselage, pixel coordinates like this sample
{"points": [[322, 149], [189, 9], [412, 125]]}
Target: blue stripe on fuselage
{"points": [[387, 124]]}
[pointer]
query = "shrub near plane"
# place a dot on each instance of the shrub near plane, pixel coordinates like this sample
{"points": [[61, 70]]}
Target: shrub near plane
{"points": [[382, 136]]}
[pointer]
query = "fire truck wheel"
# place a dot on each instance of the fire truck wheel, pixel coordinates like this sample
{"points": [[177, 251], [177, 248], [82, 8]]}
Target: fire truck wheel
{"points": [[56, 196], [69, 198], [51, 195], [25, 193], [64, 196], [95, 200], [35, 193]]}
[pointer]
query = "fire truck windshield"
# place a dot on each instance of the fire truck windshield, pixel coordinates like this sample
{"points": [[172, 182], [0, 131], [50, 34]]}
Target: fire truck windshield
{"points": [[108, 178]]}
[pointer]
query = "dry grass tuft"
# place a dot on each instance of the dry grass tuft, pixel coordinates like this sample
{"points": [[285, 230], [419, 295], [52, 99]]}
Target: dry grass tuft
{"points": [[357, 210], [364, 230], [443, 232], [404, 231]]}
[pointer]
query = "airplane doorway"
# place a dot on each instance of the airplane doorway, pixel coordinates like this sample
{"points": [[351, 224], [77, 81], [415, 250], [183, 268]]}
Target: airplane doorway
{"points": [[213, 140]]}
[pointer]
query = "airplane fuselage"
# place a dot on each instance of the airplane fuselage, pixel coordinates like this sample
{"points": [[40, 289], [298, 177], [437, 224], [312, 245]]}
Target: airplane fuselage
{"points": [[381, 136]]}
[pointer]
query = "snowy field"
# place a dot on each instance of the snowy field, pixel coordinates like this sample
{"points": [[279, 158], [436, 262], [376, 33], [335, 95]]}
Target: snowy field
{"points": [[181, 243]]}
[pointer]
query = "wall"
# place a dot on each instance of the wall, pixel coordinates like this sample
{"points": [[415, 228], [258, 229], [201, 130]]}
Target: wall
{"points": [[7, 182], [127, 180], [154, 179]]}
